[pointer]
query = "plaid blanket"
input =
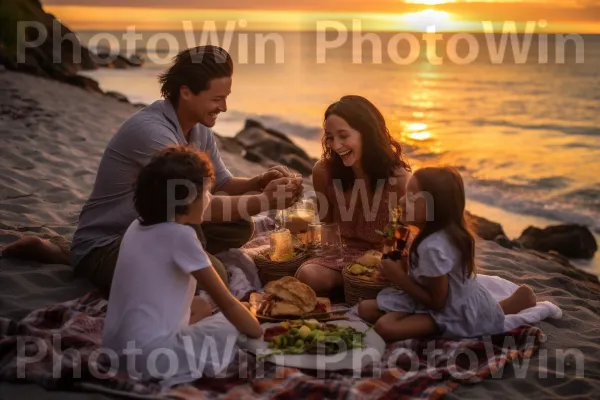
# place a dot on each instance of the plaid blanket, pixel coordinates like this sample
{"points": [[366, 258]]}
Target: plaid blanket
{"points": [[55, 347]]}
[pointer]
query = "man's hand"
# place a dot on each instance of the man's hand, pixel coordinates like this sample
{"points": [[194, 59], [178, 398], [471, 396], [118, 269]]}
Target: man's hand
{"points": [[283, 192], [276, 172]]}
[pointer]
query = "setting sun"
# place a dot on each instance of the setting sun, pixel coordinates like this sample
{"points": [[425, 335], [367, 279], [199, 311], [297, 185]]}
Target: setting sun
{"points": [[429, 2], [422, 19]]}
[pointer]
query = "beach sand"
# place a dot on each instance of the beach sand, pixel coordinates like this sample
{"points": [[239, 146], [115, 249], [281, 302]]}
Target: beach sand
{"points": [[53, 136]]}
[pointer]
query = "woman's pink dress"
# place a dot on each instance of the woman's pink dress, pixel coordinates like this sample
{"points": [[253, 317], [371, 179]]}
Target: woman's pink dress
{"points": [[358, 232]]}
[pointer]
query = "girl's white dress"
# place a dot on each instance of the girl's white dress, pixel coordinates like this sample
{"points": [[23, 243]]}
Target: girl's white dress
{"points": [[470, 309]]}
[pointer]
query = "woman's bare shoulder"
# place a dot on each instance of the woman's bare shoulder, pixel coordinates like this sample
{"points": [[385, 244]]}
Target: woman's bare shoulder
{"points": [[319, 166], [319, 170]]}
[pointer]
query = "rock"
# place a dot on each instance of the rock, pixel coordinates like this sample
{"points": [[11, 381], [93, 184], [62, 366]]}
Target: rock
{"points": [[116, 95], [503, 241], [107, 60], [60, 62], [299, 164], [83, 82], [572, 241], [136, 60], [251, 123], [264, 145], [484, 228], [229, 144], [255, 157]]}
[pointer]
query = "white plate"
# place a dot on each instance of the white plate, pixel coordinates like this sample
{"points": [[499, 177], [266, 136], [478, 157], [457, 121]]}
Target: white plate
{"points": [[354, 359]]}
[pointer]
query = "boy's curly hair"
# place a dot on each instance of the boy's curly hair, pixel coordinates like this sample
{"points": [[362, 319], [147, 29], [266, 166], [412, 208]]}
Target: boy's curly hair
{"points": [[170, 177]]}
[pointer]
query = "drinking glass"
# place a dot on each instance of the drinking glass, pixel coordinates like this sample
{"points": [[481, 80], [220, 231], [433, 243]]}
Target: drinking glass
{"points": [[298, 218], [281, 245], [331, 242], [313, 237]]}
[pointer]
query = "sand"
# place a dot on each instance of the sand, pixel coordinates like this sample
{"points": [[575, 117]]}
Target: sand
{"points": [[53, 136]]}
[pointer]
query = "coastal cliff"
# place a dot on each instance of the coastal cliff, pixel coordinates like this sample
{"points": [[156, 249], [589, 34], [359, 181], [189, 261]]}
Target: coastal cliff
{"points": [[35, 42]]}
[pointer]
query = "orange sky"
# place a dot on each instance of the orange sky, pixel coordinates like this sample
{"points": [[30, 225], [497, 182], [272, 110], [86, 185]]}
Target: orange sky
{"points": [[569, 16]]}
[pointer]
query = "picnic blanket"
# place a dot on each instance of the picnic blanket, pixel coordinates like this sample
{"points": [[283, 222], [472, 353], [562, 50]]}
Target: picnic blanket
{"points": [[57, 347]]}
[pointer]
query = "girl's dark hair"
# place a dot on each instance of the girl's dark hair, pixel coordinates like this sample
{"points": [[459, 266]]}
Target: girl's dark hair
{"points": [[446, 198], [195, 68], [166, 179], [381, 154]]}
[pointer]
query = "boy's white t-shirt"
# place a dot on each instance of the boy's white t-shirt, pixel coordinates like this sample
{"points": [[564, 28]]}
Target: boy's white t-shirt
{"points": [[152, 288]]}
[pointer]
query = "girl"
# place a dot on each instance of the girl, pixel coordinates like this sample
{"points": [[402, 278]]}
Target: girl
{"points": [[361, 169], [160, 261], [440, 293]]}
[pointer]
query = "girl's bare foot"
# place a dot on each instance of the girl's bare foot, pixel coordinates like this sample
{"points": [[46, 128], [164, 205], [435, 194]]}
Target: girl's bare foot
{"points": [[522, 299], [37, 249]]}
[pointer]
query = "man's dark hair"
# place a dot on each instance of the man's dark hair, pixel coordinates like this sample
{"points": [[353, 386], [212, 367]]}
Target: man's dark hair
{"points": [[195, 68], [168, 174]]}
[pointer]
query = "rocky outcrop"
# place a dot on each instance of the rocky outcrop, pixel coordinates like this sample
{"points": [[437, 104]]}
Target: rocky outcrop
{"points": [[59, 55], [105, 59], [572, 241], [116, 95], [484, 228], [55, 51], [268, 146]]}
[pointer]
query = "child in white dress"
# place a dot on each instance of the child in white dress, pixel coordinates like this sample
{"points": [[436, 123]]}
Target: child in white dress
{"points": [[150, 307], [438, 293]]}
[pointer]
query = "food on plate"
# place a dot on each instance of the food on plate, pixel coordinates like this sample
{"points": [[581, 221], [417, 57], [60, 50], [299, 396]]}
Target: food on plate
{"points": [[289, 297], [312, 337]]}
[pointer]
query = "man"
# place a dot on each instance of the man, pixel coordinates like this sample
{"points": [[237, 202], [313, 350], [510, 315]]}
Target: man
{"points": [[195, 91]]}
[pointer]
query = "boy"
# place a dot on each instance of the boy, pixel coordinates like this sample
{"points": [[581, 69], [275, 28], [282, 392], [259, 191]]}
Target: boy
{"points": [[160, 260]]}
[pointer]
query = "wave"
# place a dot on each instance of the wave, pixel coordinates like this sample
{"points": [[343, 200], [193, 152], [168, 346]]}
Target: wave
{"points": [[569, 130], [571, 208]]}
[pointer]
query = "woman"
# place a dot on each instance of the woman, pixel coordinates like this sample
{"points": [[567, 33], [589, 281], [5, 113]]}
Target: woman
{"points": [[361, 172]]}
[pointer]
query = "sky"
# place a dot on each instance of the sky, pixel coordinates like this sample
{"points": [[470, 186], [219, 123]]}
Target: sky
{"points": [[567, 16]]}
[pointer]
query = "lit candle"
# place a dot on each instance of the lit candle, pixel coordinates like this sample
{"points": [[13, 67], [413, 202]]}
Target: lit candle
{"points": [[282, 246]]}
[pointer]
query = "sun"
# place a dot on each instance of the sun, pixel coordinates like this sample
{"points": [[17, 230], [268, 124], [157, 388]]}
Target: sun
{"points": [[421, 20], [429, 2]]}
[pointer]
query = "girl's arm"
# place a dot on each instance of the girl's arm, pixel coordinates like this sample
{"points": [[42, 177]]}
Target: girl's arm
{"points": [[432, 296], [320, 184], [231, 307]]}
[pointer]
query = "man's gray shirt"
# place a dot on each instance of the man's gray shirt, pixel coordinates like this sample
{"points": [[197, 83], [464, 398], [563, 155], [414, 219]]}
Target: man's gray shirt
{"points": [[110, 209]]}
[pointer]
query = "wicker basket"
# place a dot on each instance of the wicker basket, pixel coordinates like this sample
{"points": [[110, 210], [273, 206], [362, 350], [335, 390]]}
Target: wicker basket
{"points": [[272, 270], [357, 289]]}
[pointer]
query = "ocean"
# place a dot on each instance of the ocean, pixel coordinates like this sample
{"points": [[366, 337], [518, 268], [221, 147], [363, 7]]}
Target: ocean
{"points": [[523, 129]]}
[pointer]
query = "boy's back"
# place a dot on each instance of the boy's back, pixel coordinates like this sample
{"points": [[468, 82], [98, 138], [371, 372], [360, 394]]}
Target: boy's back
{"points": [[153, 287]]}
